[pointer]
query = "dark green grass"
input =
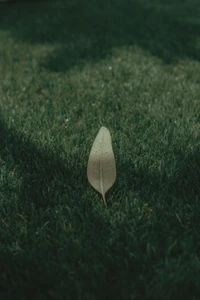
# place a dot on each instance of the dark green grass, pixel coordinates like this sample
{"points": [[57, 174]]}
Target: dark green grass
{"points": [[67, 68]]}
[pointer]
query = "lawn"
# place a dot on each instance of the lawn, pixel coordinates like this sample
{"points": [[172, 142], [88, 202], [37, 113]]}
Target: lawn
{"points": [[66, 69]]}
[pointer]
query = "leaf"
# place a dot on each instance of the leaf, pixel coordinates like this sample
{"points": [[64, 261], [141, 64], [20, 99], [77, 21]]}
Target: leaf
{"points": [[101, 169]]}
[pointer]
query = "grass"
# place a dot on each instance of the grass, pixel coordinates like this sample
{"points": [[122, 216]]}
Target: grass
{"points": [[67, 68]]}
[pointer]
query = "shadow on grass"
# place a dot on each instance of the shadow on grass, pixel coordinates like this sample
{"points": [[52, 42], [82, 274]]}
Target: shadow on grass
{"points": [[45, 179], [84, 31]]}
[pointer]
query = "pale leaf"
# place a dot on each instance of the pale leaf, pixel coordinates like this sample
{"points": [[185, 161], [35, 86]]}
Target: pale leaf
{"points": [[101, 169]]}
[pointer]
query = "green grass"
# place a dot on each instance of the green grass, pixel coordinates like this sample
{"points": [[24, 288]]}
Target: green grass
{"points": [[66, 69]]}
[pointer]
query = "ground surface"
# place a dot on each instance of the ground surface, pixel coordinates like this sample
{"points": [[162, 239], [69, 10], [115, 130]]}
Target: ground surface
{"points": [[66, 69]]}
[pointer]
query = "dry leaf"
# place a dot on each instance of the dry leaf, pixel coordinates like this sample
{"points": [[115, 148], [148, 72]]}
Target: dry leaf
{"points": [[101, 169]]}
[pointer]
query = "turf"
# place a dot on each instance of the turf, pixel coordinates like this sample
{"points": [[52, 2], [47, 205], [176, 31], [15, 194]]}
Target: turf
{"points": [[66, 69]]}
